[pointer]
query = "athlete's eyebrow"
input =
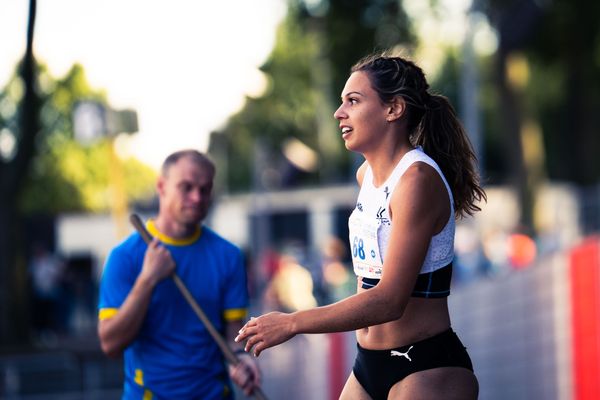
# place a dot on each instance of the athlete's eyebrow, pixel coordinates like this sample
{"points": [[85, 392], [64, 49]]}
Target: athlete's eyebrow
{"points": [[353, 92]]}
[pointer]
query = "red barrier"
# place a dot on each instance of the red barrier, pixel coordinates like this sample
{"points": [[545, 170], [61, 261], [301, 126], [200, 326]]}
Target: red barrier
{"points": [[337, 365], [585, 309]]}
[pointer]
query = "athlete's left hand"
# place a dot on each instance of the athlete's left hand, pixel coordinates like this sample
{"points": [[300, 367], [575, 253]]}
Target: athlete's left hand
{"points": [[266, 331], [245, 373]]}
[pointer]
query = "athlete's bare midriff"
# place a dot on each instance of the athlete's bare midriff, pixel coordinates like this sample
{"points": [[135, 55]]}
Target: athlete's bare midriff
{"points": [[422, 318]]}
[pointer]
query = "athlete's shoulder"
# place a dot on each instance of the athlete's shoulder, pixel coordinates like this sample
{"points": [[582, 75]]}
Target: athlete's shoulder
{"points": [[422, 191], [421, 177]]}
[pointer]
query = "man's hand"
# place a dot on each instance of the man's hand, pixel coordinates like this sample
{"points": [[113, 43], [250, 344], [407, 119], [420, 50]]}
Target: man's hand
{"points": [[120, 330], [158, 263], [245, 373]]}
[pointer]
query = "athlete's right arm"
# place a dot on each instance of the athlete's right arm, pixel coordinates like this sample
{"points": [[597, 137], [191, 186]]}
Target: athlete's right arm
{"points": [[120, 330]]}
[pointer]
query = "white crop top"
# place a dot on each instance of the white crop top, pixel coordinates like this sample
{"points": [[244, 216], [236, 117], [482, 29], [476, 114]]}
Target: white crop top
{"points": [[370, 222]]}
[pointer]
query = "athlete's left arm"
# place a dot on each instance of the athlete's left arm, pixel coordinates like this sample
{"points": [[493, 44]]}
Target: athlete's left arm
{"points": [[418, 206]]}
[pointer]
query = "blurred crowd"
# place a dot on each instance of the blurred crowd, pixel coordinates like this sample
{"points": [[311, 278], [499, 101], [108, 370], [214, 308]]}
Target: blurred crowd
{"points": [[62, 296], [286, 277]]}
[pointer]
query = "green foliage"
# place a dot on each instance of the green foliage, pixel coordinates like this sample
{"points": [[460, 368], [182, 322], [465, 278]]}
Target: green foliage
{"points": [[62, 96], [315, 47], [491, 125], [354, 29], [71, 177], [66, 175], [561, 42], [565, 88], [9, 99], [287, 108]]}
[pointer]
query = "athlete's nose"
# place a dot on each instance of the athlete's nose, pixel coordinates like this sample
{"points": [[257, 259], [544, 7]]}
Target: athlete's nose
{"points": [[339, 113]]}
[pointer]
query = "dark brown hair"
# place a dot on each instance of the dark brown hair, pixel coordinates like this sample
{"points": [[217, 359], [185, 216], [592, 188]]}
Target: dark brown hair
{"points": [[432, 124]]}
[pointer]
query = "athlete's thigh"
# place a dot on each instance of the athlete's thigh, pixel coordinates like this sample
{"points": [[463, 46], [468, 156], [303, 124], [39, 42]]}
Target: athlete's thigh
{"points": [[448, 383], [353, 390]]}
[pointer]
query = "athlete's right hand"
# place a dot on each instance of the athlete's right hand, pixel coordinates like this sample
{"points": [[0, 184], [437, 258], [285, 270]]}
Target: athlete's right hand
{"points": [[158, 263], [266, 331]]}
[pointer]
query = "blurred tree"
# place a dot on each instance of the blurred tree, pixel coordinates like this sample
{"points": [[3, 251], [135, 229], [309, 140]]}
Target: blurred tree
{"points": [[44, 170], [17, 144], [69, 175], [547, 91], [316, 45], [514, 21], [565, 62]]}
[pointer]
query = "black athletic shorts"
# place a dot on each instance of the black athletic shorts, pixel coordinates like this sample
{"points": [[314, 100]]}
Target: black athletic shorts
{"points": [[378, 370]]}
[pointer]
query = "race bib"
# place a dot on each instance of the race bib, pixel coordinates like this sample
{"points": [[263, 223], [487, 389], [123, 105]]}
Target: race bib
{"points": [[366, 258]]}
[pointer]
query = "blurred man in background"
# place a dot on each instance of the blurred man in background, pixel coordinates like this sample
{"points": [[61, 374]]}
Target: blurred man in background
{"points": [[168, 352]]}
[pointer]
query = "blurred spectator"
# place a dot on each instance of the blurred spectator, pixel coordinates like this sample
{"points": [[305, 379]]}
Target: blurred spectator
{"points": [[508, 251], [337, 275], [80, 293], [495, 243], [269, 262], [522, 250], [470, 261], [291, 288], [46, 271]]}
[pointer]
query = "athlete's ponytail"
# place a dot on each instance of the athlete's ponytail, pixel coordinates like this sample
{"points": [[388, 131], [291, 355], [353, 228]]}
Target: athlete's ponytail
{"points": [[432, 124], [444, 139]]}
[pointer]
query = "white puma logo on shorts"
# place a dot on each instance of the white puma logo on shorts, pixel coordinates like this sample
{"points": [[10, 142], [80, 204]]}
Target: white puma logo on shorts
{"points": [[400, 354]]}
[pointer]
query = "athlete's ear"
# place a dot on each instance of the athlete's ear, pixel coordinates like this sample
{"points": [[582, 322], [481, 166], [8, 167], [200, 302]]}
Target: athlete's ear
{"points": [[160, 185], [396, 109]]}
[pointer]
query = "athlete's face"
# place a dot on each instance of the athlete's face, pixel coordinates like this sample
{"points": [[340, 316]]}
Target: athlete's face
{"points": [[185, 191], [362, 114]]}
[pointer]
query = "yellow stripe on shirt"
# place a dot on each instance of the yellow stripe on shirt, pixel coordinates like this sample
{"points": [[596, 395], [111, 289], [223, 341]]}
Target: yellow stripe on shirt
{"points": [[106, 313], [139, 377], [235, 314], [153, 230]]}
